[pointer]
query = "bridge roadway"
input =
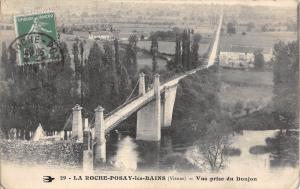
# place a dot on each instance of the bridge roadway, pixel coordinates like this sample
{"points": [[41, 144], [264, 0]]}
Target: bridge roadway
{"points": [[125, 110]]}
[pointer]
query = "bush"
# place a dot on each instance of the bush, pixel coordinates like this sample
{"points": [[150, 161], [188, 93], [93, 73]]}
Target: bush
{"points": [[284, 148], [238, 107], [230, 151], [257, 121], [259, 149]]}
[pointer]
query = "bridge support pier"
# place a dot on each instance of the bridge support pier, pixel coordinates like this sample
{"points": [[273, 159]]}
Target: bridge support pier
{"points": [[77, 129], [100, 153], [88, 159], [149, 118], [168, 105]]}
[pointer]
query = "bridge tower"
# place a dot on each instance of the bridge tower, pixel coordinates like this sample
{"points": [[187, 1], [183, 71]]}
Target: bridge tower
{"points": [[149, 117], [100, 153], [77, 129], [142, 90]]}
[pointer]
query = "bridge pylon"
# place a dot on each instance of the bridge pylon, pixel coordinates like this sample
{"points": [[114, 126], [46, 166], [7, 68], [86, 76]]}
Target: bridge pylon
{"points": [[77, 128], [142, 90], [100, 153], [149, 117]]}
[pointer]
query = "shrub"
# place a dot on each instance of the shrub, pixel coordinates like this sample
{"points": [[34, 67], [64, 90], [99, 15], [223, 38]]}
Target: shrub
{"points": [[230, 151], [259, 149]]}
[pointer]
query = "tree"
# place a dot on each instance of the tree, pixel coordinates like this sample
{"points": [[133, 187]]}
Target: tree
{"points": [[238, 107], [40, 94], [109, 74], [106, 78], [259, 60], [185, 50], [186, 55], [124, 79], [64, 90], [176, 64], [285, 80], [154, 51], [196, 105], [164, 35], [195, 49], [284, 149], [76, 60], [92, 73], [81, 50], [77, 66], [231, 28], [11, 65], [209, 151], [4, 61], [188, 49], [130, 56]]}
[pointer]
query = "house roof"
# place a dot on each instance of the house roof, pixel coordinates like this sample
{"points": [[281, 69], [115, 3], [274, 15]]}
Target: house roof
{"points": [[238, 48], [247, 49]]}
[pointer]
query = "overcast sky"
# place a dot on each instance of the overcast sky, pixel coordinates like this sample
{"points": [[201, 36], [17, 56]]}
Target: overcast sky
{"points": [[9, 6], [281, 3]]}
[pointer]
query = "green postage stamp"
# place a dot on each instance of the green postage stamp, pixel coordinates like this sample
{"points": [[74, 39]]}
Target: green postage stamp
{"points": [[36, 39]]}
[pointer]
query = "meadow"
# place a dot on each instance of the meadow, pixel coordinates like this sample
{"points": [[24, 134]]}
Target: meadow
{"points": [[169, 47], [256, 39], [245, 89]]}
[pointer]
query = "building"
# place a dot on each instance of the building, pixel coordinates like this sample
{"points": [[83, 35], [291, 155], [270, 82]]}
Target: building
{"points": [[102, 35], [242, 56]]}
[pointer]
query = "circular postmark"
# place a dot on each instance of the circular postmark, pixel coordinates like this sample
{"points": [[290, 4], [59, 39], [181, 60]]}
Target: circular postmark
{"points": [[37, 47]]}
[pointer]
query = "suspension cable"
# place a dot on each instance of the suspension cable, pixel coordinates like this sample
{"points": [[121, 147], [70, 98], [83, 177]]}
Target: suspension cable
{"points": [[132, 91]]}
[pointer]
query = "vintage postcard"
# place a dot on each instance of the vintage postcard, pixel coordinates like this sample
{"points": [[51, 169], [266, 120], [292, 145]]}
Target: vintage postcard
{"points": [[149, 94]]}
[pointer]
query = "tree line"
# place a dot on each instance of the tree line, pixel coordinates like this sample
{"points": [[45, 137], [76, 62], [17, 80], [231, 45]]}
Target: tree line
{"points": [[286, 83], [46, 93]]}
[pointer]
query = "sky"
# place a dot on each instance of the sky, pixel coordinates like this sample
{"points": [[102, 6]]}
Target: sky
{"points": [[14, 6], [277, 3]]}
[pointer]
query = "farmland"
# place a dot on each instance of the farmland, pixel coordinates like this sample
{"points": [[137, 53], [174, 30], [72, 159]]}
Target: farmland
{"points": [[245, 87], [169, 47], [256, 39]]}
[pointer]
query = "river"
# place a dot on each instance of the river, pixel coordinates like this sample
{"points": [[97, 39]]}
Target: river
{"points": [[128, 154]]}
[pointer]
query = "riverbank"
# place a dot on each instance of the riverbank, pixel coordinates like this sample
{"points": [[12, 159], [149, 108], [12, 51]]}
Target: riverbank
{"points": [[259, 120]]}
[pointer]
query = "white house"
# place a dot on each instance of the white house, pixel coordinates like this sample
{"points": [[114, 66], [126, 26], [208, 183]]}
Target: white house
{"points": [[101, 35], [242, 57]]}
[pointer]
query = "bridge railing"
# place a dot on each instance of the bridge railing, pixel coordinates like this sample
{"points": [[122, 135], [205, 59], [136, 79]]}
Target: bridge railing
{"points": [[121, 106]]}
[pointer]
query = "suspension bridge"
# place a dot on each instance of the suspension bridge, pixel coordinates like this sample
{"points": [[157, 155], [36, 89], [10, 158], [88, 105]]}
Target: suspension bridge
{"points": [[154, 107]]}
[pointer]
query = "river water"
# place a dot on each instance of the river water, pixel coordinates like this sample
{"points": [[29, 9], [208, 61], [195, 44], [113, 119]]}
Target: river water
{"points": [[128, 154], [131, 157]]}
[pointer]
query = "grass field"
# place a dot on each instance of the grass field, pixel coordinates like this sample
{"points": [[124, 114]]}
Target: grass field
{"points": [[169, 47], [246, 88], [259, 40]]}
